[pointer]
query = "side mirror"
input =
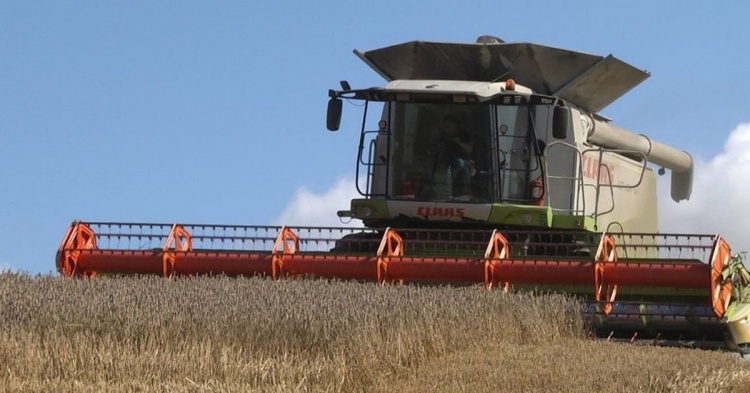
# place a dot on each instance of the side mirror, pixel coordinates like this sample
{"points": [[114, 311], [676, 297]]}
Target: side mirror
{"points": [[333, 120], [560, 122]]}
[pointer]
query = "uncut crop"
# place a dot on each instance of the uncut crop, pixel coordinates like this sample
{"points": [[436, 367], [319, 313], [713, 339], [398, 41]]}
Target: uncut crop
{"points": [[213, 334]]}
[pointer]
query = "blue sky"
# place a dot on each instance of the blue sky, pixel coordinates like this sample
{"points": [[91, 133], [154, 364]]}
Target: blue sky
{"points": [[214, 112]]}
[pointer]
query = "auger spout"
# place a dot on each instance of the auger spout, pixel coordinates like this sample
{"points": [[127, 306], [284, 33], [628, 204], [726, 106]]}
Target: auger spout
{"points": [[608, 135]]}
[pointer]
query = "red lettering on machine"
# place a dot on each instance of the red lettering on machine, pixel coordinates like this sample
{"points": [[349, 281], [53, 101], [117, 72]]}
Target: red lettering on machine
{"points": [[593, 169], [438, 211]]}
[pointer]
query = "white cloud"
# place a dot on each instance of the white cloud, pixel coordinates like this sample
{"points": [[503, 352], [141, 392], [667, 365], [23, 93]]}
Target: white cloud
{"points": [[720, 202], [319, 209]]}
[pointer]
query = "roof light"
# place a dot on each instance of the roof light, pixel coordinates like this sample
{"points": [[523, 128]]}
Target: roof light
{"points": [[510, 84]]}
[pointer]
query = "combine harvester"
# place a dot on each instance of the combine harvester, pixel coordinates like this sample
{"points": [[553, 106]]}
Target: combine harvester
{"points": [[484, 163]]}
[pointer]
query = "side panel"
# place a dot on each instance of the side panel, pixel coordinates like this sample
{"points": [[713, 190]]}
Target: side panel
{"points": [[560, 158], [625, 199]]}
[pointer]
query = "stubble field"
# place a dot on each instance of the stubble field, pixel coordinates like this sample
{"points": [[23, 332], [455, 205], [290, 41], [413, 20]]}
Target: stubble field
{"points": [[255, 335]]}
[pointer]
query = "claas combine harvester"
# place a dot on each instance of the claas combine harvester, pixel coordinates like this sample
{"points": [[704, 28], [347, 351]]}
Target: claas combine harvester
{"points": [[485, 163]]}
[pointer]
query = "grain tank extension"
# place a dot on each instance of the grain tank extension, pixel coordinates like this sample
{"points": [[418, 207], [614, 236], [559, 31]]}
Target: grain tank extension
{"points": [[483, 163]]}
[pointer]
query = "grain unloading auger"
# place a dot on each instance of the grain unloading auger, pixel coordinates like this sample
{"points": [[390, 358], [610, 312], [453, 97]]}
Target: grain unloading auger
{"points": [[484, 163]]}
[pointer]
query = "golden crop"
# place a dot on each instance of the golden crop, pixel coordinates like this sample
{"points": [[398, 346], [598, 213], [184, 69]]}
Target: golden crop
{"points": [[215, 334]]}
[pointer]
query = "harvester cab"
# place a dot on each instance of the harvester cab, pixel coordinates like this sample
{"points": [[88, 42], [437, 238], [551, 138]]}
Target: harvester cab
{"points": [[503, 135], [482, 163]]}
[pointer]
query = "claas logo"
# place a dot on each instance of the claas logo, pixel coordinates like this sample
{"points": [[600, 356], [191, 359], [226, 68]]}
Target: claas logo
{"points": [[436, 211], [593, 169]]}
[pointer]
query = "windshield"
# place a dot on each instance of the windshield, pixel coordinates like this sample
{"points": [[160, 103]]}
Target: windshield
{"points": [[441, 152]]}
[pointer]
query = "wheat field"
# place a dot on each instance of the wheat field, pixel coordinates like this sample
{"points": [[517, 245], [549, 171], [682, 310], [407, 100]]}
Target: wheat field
{"points": [[218, 334]]}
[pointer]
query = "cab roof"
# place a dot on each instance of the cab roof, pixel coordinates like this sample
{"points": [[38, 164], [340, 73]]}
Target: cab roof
{"points": [[591, 82]]}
